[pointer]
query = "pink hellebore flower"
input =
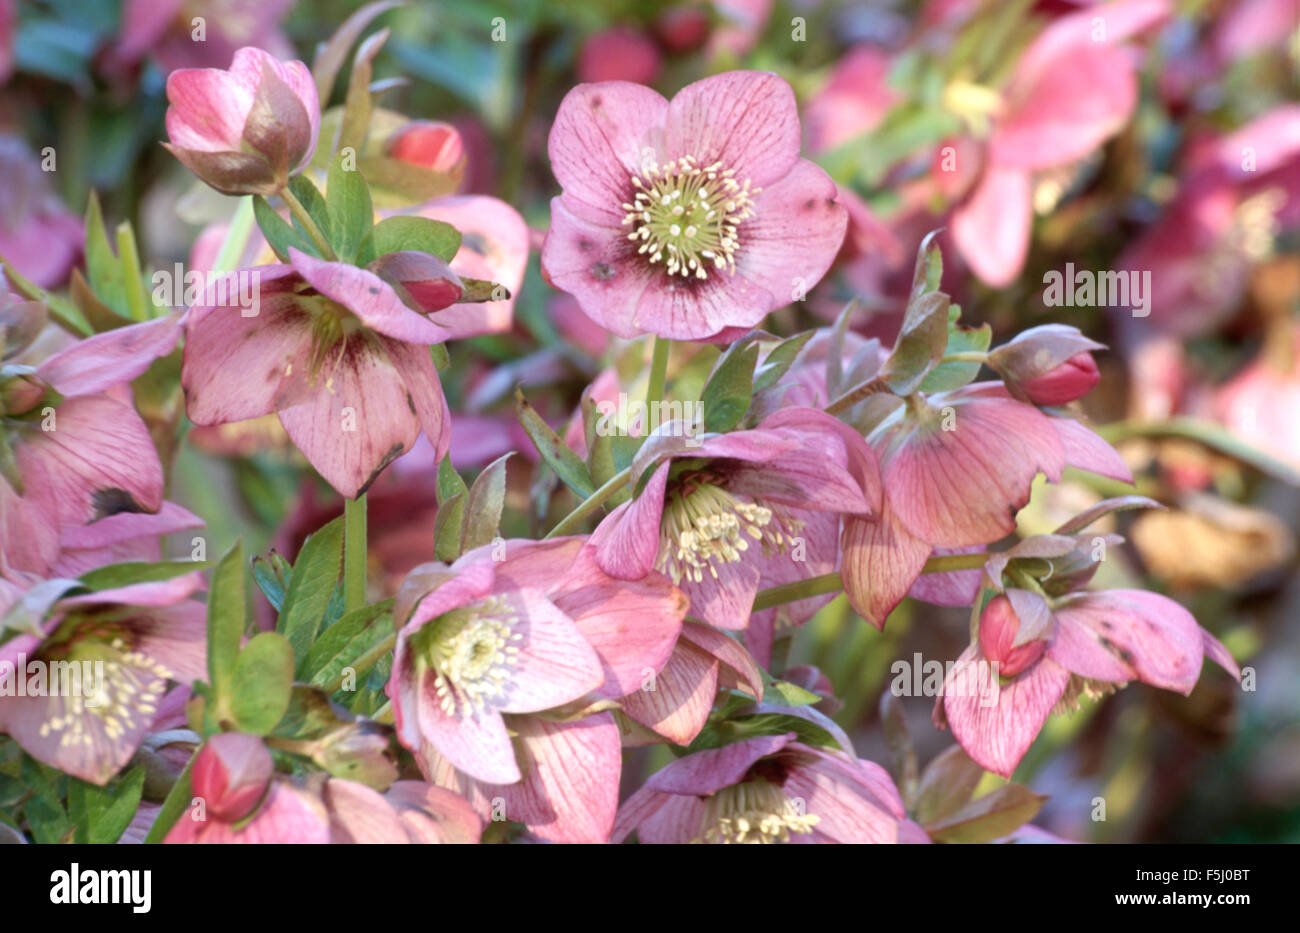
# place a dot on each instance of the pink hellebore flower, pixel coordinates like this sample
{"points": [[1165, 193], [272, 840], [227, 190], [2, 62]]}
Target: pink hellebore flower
{"points": [[520, 629], [1087, 644], [1073, 88], [956, 467], [619, 55], [245, 130], [338, 352], [39, 237], [1259, 404], [166, 31], [113, 652], [81, 453], [744, 508], [690, 218], [769, 789]]}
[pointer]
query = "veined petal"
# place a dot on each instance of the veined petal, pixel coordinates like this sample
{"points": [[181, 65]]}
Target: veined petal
{"points": [[676, 703], [555, 664], [111, 358], [880, 563], [369, 297]]}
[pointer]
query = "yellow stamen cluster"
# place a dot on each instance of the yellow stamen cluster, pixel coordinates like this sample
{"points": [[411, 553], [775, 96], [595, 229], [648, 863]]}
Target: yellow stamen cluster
{"points": [[704, 526], [687, 215], [125, 696], [471, 652], [755, 812]]}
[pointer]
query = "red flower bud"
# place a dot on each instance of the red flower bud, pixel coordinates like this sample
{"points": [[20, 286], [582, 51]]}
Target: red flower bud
{"points": [[1073, 379], [683, 28], [428, 144], [999, 626], [230, 775]]}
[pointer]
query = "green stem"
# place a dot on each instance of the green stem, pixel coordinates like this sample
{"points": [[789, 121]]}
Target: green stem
{"points": [[832, 583], [589, 505], [354, 553], [304, 218], [658, 374], [175, 804], [237, 234]]}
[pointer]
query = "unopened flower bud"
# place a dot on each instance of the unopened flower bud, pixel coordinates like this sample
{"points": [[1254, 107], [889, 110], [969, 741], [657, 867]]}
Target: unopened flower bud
{"points": [[245, 130], [1047, 365], [1073, 379], [999, 626], [20, 392], [230, 774], [428, 144]]}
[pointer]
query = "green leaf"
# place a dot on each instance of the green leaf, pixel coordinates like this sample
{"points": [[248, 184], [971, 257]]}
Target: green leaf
{"points": [[272, 574], [350, 210], [329, 59], [345, 641], [101, 814], [953, 375], [262, 681], [554, 451], [920, 344], [990, 817], [730, 389], [484, 504], [226, 616], [784, 693], [946, 786], [312, 582], [103, 269], [279, 233], [132, 572], [403, 233], [449, 528], [777, 363]]}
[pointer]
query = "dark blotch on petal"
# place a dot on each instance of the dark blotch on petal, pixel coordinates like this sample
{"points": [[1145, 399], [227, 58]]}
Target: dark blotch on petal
{"points": [[393, 453], [602, 271], [112, 501]]}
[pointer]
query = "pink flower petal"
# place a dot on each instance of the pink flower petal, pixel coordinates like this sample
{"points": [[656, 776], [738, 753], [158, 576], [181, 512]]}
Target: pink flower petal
{"points": [[555, 665], [676, 703], [745, 119], [111, 358], [997, 736], [208, 108], [1087, 451], [627, 541], [707, 772], [881, 562], [991, 228]]}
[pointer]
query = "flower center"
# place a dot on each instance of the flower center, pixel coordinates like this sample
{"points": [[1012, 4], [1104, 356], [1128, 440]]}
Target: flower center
{"points": [[704, 526], [471, 652], [98, 674], [755, 812], [686, 215]]}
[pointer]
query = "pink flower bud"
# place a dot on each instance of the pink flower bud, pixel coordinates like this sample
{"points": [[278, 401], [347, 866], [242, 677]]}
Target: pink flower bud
{"points": [[618, 55], [999, 626], [1073, 379], [20, 394], [428, 144], [230, 774], [683, 28], [245, 130]]}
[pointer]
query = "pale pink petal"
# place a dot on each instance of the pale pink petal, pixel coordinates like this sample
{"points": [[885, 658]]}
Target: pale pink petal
{"points": [[599, 140], [745, 119], [996, 734], [554, 664], [991, 228], [880, 564], [111, 358], [369, 297], [415, 367], [954, 588], [477, 744], [627, 541], [846, 810], [676, 702], [1087, 451], [693, 309], [795, 233], [208, 108], [708, 772], [360, 815]]}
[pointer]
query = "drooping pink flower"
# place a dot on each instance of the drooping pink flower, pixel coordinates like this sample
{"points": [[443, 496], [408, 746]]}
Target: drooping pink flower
{"points": [[1073, 88], [500, 637], [198, 33], [245, 130], [1084, 645], [113, 652], [336, 353], [691, 218], [855, 99], [1259, 406], [39, 237], [750, 506], [771, 789], [618, 55], [956, 468]]}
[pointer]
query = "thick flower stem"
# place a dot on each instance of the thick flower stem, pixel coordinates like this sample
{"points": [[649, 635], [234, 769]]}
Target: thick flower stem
{"points": [[589, 505], [831, 582], [354, 553], [304, 218], [658, 373]]}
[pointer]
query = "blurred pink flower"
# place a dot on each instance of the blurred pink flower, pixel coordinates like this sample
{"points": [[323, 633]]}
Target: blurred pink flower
{"points": [[1259, 405], [618, 55], [198, 33], [429, 144], [855, 99], [39, 237], [689, 219]]}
